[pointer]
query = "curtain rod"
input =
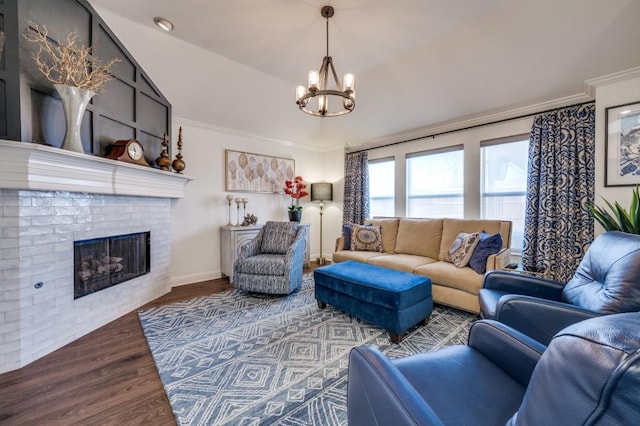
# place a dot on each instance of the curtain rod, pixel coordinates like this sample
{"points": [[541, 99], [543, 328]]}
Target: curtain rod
{"points": [[475, 126]]}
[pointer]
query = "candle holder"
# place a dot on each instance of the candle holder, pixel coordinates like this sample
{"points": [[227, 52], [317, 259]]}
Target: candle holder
{"points": [[244, 206], [238, 202], [229, 200]]}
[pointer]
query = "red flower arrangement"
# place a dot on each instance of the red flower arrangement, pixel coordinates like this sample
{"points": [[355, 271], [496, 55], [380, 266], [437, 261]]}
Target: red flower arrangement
{"points": [[295, 189]]}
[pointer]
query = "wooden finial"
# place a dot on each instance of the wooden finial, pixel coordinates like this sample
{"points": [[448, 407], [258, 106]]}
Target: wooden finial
{"points": [[163, 161], [178, 164]]}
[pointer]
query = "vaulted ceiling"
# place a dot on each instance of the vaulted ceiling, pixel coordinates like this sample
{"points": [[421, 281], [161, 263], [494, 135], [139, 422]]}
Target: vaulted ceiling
{"points": [[417, 63]]}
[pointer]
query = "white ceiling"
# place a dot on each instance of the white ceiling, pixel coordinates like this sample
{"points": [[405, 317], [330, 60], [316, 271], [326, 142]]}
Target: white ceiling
{"points": [[417, 62]]}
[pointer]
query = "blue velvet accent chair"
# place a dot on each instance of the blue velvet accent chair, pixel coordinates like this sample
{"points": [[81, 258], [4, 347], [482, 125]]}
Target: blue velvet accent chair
{"points": [[607, 281], [272, 262], [588, 375]]}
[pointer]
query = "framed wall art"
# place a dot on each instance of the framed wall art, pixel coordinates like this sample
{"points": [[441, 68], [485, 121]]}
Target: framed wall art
{"points": [[622, 145], [248, 172]]}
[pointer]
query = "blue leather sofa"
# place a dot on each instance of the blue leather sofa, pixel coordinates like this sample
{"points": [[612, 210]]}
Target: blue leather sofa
{"points": [[607, 281], [588, 375]]}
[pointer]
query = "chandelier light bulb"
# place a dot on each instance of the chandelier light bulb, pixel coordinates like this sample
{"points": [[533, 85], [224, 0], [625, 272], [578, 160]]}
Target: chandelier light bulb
{"points": [[299, 92], [323, 104], [348, 81], [314, 79]]}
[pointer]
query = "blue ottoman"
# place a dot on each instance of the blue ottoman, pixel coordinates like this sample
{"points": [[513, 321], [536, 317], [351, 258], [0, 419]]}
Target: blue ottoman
{"points": [[393, 300]]}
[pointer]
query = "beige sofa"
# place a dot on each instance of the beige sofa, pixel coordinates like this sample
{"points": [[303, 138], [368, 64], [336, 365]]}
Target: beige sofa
{"points": [[421, 246]]}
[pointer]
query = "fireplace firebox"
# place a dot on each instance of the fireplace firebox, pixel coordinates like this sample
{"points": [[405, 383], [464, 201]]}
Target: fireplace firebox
{"points": [[100, 263]]}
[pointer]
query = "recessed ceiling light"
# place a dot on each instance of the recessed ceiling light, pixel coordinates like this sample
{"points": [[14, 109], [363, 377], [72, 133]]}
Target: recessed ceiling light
{"points": [[163, 23]]}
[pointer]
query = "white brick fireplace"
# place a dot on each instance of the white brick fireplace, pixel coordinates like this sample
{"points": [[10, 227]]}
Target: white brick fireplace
{"points": [[50, 198]]}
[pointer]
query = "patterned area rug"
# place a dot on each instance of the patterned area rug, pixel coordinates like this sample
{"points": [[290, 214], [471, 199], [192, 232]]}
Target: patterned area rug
{"points": [[233, 359]]}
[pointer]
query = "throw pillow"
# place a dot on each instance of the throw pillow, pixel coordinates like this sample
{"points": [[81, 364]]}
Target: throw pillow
{"points": [[277, 237], [346, 236], [462, 248], [366, 238], [487, 245]]}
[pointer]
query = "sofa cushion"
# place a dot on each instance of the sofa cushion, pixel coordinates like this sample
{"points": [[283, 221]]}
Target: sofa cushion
{"points": [[462, 248], [262, 264], [447, 274], [389, 232], [366, 238], [277, 237], [420, 237], [401, 262], [488, 245], [358, 256], [452, 227]]}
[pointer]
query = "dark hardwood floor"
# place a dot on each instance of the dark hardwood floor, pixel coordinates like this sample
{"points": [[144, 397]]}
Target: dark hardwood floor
{"points": [[107, 377]]}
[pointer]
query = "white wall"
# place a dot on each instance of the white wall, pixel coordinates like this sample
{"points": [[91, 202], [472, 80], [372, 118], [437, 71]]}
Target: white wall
{"points": [[610, 95], [196, 218], [470, 139]]}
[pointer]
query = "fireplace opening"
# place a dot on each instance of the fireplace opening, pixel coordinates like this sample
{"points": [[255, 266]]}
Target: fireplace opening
{"points": [[100, 263]]}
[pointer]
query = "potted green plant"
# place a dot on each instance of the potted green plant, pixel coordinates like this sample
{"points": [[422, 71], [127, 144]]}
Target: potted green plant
{"points": [[617, 218], [295, 189]]}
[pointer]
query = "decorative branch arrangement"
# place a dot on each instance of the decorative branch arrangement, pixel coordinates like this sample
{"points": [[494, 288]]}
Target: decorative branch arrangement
{"points": [[69, 62]]}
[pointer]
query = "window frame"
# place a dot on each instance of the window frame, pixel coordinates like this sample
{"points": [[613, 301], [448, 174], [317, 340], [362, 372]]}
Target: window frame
{"points": [[428, 152], [388, 159], [484, 195]]}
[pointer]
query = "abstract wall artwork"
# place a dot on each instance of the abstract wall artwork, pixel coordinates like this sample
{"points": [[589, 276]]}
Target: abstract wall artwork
{"points": [[622, 145], [245, 171]]}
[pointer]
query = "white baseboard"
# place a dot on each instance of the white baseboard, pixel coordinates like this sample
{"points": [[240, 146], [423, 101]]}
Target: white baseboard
{"points": [[195, 278]]}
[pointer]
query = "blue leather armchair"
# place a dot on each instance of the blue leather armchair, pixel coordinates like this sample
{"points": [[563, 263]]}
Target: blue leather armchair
{"points": [[607, 281], [272, 262], [589, 374]]}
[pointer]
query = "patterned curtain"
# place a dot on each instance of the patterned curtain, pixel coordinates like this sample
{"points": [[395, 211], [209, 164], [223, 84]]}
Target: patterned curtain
{"points": [[561, 176], [356, 188]]}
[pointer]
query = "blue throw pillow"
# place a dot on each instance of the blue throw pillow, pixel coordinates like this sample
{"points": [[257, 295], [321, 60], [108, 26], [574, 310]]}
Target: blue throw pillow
{"points": [[488, 245], [346, 235]]}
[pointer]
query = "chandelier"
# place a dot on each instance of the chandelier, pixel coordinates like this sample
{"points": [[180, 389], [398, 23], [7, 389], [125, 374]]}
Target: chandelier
{"points": [[314, 99]]}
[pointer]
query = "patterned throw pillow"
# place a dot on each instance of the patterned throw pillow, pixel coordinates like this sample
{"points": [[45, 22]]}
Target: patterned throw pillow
{"points": [[462, 248], [488, 245], [366, 238], [346, 235], [277, 237]]}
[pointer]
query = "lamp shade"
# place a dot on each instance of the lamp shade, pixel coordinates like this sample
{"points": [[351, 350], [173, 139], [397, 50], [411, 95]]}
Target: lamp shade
{"points": [[322, 191]]}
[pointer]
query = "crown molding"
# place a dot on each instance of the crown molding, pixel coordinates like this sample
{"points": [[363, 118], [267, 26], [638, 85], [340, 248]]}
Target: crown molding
{"points": [[244, 134], [616, 77], [472, 121]]}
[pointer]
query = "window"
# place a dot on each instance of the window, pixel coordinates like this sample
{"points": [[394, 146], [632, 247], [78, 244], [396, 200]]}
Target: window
{"points": [[382, 187], [435, 183], [504, 184]]}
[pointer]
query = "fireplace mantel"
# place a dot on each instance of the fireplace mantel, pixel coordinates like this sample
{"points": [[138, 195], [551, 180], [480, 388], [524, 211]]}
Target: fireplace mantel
{"points": [[36, 167]]}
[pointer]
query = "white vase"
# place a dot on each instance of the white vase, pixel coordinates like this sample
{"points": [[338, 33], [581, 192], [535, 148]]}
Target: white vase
{"points": [[74, 103]]}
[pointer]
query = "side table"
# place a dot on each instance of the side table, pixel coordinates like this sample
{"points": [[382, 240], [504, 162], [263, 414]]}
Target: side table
{"points": [[522, 270]]}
